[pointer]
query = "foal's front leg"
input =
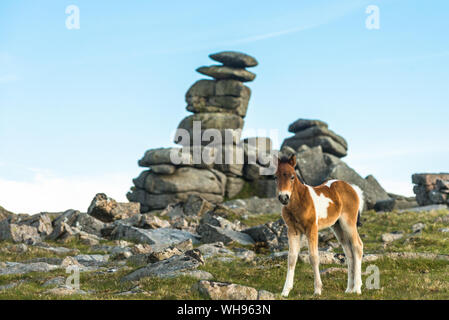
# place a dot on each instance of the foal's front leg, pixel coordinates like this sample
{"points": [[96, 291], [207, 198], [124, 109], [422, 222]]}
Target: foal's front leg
{"points": [[314, 257], [293, 250]]}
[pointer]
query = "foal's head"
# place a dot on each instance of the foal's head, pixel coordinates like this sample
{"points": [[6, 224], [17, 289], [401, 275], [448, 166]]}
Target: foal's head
{"points": [[285, 176]]}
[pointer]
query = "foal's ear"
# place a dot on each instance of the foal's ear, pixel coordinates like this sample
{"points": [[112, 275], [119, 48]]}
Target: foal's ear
{"points": [[292, 160]]}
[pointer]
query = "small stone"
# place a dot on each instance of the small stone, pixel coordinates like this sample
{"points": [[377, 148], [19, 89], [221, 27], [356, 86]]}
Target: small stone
{"points": [[225, 291], [418, 227], [265, 295], [390, 237], [234, 59], [224, 72]]}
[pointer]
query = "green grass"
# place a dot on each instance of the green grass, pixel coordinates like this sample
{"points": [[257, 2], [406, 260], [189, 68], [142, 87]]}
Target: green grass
{"points": [[430, 240], [399, 278]]}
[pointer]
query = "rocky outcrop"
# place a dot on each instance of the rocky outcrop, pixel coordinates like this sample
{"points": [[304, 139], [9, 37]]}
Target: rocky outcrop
{"points": [[18, 233], [313, 133], [212, 162], [107, 209], [431, 188]]}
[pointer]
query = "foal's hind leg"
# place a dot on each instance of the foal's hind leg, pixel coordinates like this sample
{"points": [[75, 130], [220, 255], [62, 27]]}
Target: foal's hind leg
{"points": [[352, 236], [347, 248], [357, 251]]}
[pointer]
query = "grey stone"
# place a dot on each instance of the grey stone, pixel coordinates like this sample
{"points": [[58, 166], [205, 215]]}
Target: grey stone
{"points": [[265, 295], [302, 124], [107, 209], [437, 197], [320, 131], [177, 263], [234, 59], [18, 233], [328, 144], [233, 186], [90, 260], [211, 233], [58, 281], [231, 88], [41, 222], [264, 188], [202, 88], [164, 156], [426, 208], [161, 201], [186, 179], [16, 268], [214, 249], [429, 179], [162, 237], [312, 166], [223, 72], [256, 205], [393, 236], [220, 104], [163, 168], [418, 227], [225, 291]]}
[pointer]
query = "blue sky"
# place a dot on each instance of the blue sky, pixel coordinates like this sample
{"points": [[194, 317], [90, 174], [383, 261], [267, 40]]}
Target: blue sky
{"points": [[78, 108]]}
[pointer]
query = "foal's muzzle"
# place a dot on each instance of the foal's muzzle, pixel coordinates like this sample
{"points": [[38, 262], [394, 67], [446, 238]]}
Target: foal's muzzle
{"points": [[284, 198]]}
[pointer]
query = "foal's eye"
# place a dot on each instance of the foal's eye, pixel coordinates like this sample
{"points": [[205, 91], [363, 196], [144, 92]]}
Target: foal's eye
{"points": [[292, 178]]}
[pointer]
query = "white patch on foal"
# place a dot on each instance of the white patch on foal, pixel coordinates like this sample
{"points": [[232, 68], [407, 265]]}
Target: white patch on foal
{"points": [[321, 203], [329, 183]]}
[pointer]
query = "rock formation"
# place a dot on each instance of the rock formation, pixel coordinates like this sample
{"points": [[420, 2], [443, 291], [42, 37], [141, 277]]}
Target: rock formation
{"points": [[213, 162], [431, 188], [314, 133]]}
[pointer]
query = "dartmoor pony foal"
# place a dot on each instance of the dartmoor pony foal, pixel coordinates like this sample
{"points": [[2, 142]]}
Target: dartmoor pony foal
{"points": [[307, 209]]}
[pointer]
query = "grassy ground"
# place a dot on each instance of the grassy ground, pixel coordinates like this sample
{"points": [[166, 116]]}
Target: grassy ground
{"points": [[399, 278]]}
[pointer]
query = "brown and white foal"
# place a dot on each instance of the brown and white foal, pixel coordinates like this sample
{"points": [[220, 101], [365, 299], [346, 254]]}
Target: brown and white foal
{"points": [[307, 209]]}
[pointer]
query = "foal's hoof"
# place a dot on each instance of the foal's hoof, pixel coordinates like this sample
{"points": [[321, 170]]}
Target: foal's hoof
{"points": [[317, 292], [285, 293]]}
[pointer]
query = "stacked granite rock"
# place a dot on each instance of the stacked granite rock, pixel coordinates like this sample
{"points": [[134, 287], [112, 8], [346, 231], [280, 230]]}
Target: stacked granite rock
{"points": [[431, 188], [314, 133], [219, 104]]}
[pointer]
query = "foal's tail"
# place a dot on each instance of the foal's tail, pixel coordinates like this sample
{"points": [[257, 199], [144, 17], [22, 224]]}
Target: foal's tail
{"points": [[361, 202]]}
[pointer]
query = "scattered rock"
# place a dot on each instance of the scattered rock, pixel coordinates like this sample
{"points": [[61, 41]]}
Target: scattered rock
{"points": [[211, 234], [162, 237], [213, 249], [256, 205], [18, 233], [53, 282], [390, 237], [265, 295], [16, 268], [225, 291], [418, 227], [107, 209], [177, 263]]}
